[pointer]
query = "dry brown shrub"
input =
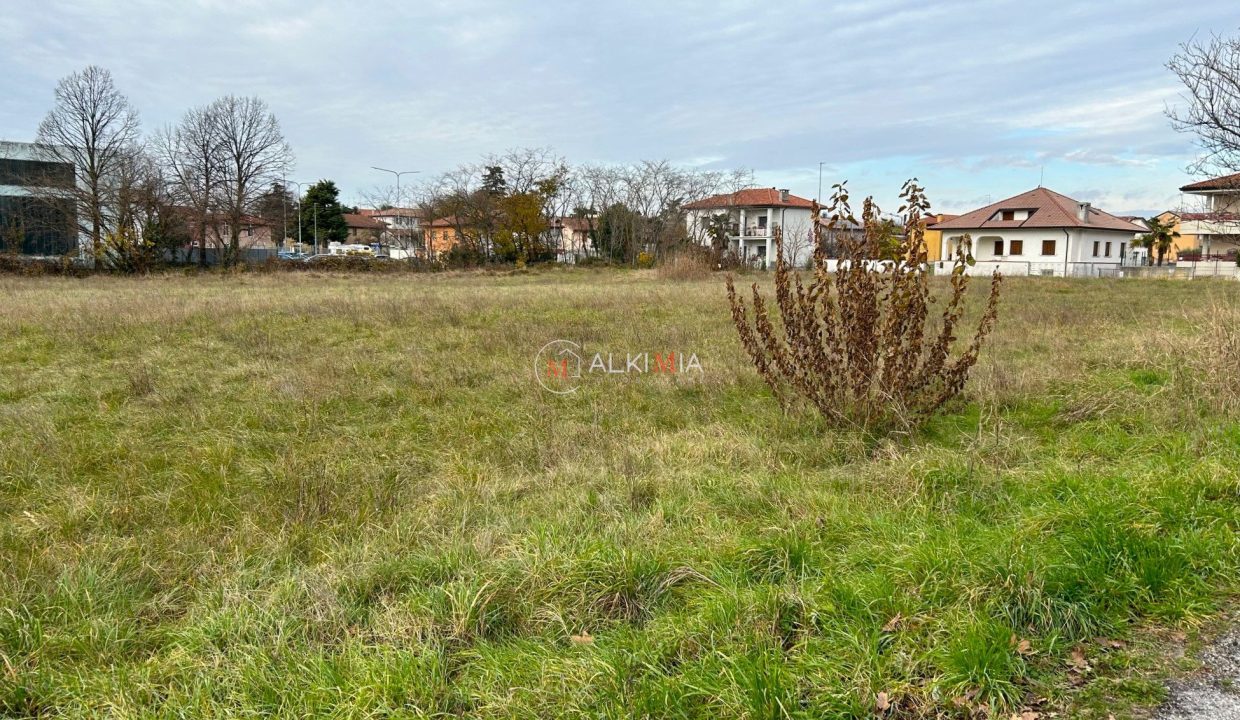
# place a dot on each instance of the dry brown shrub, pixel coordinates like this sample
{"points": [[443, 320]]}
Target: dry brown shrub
{"points": [[858, 344]]}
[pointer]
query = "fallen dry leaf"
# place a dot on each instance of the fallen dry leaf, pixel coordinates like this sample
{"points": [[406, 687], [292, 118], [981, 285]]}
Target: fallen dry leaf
{"points": [[1024, 647], [1077, 661], [584, 638], [882, 702], [893, 623]]}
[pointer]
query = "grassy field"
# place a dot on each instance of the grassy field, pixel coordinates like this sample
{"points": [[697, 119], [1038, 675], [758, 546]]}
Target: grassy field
{"points": [[317, 495]]}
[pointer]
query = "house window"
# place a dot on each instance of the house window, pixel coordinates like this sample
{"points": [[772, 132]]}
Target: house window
{"points": [[998, 248], [1009, 214], [1096, 243], [1123, 248], [1017, 247], [1048, 247], [1107, 250]]}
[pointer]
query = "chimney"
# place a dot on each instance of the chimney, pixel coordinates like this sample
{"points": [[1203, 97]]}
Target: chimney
{"points": [[783, 195], [1082, 213]]}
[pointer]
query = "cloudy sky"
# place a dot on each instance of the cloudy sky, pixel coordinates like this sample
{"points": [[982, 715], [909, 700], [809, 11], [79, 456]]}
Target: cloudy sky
{"points": [[977, 99]]}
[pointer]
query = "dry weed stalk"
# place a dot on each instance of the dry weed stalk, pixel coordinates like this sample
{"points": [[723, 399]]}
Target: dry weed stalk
{"points": [[857, 346]]}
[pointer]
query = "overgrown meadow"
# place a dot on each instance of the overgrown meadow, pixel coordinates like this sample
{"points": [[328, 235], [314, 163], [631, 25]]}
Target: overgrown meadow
{"points": [[340, 495]]}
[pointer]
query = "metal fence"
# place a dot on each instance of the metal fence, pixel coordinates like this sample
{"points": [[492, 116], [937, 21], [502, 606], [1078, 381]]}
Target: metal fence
{"points": [[1219, 267], [1018, 268]]}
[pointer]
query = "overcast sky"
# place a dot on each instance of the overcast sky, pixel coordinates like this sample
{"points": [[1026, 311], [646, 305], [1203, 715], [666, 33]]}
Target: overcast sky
{"points": [[974, 98]]}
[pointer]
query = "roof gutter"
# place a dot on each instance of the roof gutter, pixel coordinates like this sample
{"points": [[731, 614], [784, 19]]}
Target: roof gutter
{"points": [[1067, 245]]}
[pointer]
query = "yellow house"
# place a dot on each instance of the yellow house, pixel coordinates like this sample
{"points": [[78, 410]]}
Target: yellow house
{"points": [[934, 238], [1185, 241]]}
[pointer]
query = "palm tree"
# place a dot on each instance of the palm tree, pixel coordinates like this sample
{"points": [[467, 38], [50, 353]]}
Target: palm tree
{"points": [[1159, 239]]}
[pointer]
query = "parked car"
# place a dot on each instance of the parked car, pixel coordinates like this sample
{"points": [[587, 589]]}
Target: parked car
{"points": [[286, 255]]}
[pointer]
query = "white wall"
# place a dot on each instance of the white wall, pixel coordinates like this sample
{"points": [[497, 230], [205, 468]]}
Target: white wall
{"points": [[796, 224], [1073, 250]]}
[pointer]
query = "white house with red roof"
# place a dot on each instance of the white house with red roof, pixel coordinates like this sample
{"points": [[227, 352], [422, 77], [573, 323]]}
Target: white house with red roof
{"points": [[1040, 232], [1216, 226], [749, 218]]}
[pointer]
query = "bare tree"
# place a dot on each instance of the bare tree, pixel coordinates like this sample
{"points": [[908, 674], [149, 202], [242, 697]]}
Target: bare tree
{"points": [[1210, 72], [630, 208], [524, 168], [190, 154], [146, 220], [252, 154], [93, 127]]}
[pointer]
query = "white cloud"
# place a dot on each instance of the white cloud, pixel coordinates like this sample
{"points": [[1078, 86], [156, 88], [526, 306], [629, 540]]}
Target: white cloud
{"points": [[973, 97]]}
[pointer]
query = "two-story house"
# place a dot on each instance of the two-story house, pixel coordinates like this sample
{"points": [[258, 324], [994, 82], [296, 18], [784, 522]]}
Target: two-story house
{"points": [[1215, 229], [746, 222], [1039, 232], [363, 230], [403, 237]]}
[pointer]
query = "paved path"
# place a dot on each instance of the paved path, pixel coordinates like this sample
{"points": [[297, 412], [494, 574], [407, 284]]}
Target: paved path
{"points": [[1214, 692]]}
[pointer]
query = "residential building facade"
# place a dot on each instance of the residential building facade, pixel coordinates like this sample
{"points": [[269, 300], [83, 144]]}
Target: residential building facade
{"points": [[403, 237], [1215, 228], [747, 220], [1039, 232], [363, 230], [441, 235], [933, 237], [569, 237]]}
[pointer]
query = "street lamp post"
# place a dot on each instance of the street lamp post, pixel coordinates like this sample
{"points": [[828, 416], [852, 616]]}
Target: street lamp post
{"points": [[819, 198], [397, 173], [300, 244]]}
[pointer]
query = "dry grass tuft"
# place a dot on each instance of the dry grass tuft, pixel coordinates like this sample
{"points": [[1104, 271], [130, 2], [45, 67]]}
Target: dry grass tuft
{"points": [[685, 265]]}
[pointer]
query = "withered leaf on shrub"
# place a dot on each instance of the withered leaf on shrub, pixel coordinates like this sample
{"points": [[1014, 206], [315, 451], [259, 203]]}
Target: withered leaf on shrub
{"points": [[859, 344]]}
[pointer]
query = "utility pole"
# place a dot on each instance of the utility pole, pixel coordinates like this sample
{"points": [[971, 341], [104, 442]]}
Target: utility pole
{"points": [[397, 173]]}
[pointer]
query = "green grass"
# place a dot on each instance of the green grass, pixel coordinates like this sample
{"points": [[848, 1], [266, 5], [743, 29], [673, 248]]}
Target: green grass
{"points": [[333, 495]]}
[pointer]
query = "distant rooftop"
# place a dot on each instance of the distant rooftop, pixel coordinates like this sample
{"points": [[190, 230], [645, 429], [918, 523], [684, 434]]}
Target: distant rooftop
{"points": [[753, 197]]}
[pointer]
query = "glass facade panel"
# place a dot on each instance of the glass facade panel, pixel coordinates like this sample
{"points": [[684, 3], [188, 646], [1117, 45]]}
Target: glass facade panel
{"points": [[37, 226], [35, 173]]}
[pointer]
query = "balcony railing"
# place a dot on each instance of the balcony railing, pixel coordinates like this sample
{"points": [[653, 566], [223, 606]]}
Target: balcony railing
{"points": [[753, 231]]}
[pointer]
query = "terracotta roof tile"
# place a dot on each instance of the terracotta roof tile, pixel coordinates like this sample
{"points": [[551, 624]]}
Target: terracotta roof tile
{"points": [[1048, 209], [753, 197], [1226, 182], [361, 222]]}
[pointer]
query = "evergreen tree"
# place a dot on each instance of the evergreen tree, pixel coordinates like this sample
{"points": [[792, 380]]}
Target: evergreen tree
{"points": [[493, 181], [277, 207], [323, 199]]}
